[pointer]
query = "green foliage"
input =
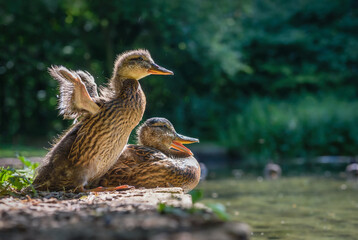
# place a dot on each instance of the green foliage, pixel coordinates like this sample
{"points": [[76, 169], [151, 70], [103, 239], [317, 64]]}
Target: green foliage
{"points": [[166, 209], [14, 180], [220, 211], [306, 127], [196, 195], [28, 164], [9, 177], [224, 54], [9, 151]]}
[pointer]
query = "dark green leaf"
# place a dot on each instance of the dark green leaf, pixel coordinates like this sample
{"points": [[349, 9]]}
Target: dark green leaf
{"points": [[196, 195]]}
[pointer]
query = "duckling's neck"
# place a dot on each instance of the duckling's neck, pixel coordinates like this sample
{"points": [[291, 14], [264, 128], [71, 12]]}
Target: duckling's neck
{"points": [[118, 83]]}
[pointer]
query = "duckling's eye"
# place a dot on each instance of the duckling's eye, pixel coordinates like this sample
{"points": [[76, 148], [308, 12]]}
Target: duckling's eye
{"points": [[139, 59], [156, 124], [161, 126], [166, 127]]}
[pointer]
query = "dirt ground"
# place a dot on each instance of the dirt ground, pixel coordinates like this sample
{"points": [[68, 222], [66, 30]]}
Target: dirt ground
{"points": [[131, 214]]}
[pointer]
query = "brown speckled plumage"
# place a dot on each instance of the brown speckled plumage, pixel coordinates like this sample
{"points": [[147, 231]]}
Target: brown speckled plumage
{"points": [[90, 147], [153, 163]]}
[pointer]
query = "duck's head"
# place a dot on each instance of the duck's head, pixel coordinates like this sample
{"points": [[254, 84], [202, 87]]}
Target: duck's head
{"points": [[137, 64], [159, 133]]}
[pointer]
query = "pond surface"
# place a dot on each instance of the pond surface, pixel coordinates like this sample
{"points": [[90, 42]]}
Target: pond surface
{"points": [[290, 208]]}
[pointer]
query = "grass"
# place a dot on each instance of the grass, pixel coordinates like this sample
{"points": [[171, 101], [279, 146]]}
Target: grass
{"points": [[8, 151]]}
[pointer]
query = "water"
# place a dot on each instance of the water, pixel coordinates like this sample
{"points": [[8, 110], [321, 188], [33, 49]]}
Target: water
{"points": [[290, 208]]}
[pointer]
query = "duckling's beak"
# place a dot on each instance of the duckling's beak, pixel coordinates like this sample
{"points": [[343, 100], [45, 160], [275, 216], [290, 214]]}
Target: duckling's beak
{"points": [[158, 70], [180, 140]]}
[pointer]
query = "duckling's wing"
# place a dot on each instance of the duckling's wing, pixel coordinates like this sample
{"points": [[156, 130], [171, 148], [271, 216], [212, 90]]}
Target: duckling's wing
{"points": [[74, 97], [89, 82]]}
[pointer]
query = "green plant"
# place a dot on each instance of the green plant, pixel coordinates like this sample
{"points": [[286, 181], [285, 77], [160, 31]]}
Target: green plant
{"points": [[217, 208], [196, 195], [220, 210], [306, 127], [12, 181], [223, 54]]}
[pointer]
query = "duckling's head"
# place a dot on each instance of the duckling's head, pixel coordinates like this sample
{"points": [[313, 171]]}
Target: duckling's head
{"points": [[159, 133], [137, 64]]}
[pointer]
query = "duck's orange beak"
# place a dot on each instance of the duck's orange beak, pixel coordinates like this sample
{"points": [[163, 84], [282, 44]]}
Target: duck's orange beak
{"points": [[158, 70], [180, 140]]}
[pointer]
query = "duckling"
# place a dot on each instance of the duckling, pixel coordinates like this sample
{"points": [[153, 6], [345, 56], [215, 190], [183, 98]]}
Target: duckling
{"points": [[159, 160], [272, 171], [89, 148]]}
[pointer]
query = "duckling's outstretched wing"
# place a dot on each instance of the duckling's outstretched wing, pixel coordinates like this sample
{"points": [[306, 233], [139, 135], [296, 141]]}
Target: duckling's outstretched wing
{"points": [[89, 82], [74, 97]]}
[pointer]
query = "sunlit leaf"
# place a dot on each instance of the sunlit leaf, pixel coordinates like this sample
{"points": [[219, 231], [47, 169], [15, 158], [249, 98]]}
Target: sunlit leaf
{"points": [[220, 211]]}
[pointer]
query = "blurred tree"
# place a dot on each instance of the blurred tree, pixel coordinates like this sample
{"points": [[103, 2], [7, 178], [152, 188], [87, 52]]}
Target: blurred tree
{"points": [[225, 55]]}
